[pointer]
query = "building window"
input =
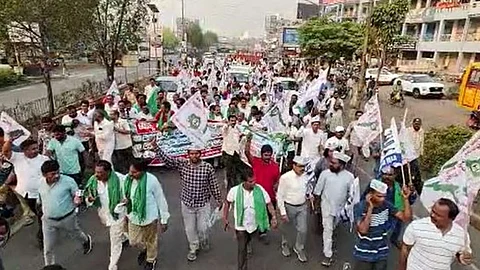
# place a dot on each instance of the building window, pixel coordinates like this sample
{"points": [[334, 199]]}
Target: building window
{"points": [[474, 77]]}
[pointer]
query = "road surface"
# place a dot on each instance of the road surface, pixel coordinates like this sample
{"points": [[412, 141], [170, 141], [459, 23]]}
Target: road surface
{"points": [[21, 253], [28, 93]]}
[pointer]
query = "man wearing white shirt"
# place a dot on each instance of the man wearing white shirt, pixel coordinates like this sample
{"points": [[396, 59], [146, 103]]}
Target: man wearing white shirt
{"points": [[110, 104], [122, 153], [312, 138], [104, 190], [27, 166], [435, 242], [103, 130], [231, 151], [251, 205], [150, 88], [293, 206], [338, 142], [333, 187]]}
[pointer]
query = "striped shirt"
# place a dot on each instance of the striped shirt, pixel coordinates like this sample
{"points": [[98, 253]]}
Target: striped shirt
{"points": [[431, 249], [373, 246]]}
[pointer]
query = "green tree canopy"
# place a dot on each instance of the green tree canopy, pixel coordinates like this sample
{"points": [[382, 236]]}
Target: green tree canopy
{"points": [[195, 35], [321, 37], [170, 41], [209, 39], [115, 26], [46, 26]]}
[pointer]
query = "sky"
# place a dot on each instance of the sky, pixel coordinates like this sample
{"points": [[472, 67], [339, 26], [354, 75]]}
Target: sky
{"points": [[230, 18]]}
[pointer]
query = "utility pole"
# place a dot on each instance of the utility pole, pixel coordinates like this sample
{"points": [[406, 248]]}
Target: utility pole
{"points": [[358, 92], [184, 32]]}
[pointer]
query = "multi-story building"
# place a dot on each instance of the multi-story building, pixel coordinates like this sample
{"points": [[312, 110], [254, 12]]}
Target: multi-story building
{"points": [[355, 10], [447, 36]]}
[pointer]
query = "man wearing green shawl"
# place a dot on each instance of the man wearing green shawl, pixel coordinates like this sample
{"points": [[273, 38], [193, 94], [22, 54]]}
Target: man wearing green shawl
{"points": [[104, 191], [146, 207], [250, 203]]}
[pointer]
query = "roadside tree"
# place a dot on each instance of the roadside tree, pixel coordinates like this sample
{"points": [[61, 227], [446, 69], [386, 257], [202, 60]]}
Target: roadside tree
{"points": [[209, 39], [44, 26], [330, 40], [170, 41], [115, 26]]}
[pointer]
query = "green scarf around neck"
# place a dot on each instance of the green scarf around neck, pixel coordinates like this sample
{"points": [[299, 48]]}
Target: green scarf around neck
{"points": [[261, 216], [114, 196], [139, 202]]}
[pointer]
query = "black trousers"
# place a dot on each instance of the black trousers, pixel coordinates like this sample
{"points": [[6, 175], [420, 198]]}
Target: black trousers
{"points": [[234, 167], [32, 204], [122, 158], [243, 239], [380, 265]]}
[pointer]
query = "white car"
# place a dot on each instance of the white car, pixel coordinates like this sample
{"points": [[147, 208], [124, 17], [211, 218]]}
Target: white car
{"points": [[386, 77], [168, 84], [288, 84], [420, 85]]}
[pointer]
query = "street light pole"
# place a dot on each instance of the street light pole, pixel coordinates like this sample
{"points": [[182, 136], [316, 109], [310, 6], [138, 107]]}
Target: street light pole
{"points": [[184, 31]]}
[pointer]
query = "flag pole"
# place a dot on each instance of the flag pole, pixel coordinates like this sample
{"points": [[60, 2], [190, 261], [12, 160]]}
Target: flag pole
{"points": [[403, 176], [409, 173]]}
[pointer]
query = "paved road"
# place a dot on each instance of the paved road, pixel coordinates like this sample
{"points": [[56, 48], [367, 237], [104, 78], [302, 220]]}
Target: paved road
{"points": [[21, 254], [77, 77]]}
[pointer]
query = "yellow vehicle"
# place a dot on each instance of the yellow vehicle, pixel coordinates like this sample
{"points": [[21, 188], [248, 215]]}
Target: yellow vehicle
{"points": [[469, 91]]}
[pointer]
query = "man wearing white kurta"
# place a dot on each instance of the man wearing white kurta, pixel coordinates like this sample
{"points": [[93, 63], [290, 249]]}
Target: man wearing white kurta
{"points": [[104, 136], [333, 188], [338, 141], [104, 191], [293, 206], [312, 138]]}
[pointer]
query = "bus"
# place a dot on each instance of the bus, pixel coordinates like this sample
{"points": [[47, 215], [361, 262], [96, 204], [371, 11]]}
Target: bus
{"points": [[469, 91]]}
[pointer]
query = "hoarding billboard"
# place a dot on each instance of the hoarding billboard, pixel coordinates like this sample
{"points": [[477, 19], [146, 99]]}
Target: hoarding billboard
{"points": [[290, 37]]}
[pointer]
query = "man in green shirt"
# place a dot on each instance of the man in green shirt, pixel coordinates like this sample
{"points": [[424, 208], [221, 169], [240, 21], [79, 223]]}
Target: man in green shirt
{"points": [[66, 150]]}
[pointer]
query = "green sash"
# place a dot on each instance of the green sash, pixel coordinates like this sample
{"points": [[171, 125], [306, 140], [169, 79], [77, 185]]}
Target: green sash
{"points": [[261, 216]]}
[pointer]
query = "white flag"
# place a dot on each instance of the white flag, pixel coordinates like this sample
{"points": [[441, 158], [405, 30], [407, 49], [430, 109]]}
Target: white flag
{"points": [[191, 119], [406, 143], [113, 91], [275, 118], [12, 128], [391, 151], [369, 125]]}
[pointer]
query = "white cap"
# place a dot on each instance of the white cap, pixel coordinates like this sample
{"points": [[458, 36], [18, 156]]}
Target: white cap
{"points": [[300, 160], [387, 169], [263, 93], [378, 186], [315, 119], [341, 156], [195, 147], [339, 129]]}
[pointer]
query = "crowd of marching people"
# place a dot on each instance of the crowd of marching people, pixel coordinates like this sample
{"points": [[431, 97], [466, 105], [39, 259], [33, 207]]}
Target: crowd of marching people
{"points": [[318, 174]]}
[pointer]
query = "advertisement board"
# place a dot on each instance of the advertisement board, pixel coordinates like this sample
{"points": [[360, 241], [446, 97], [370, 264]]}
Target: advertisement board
{"points": [[290, 37]]}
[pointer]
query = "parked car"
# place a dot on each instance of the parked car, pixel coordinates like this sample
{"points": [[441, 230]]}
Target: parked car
{"points": [[386, 77], [420, 85], [169, 85]]}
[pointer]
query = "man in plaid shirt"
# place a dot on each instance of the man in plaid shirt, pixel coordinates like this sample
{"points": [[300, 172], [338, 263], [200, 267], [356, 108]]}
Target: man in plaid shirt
{"points": [[199, 184]]}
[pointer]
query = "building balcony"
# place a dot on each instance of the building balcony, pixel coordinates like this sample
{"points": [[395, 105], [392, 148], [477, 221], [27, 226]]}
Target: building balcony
{"points": [[449, 46], [452, 12]]}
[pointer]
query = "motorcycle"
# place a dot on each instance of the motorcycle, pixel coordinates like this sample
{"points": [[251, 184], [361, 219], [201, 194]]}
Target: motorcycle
{"points": [[473, 121], [397, 100]]}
